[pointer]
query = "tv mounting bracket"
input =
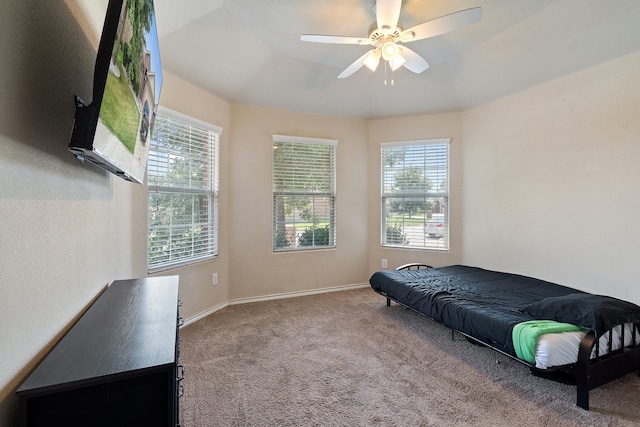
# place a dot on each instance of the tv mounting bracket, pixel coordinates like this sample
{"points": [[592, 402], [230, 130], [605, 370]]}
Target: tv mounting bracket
{"points": [[80, 102]]}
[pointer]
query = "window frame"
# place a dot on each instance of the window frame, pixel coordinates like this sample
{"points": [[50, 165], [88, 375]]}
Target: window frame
{"points": [[331, 195], [211, 193], [441, 244]]}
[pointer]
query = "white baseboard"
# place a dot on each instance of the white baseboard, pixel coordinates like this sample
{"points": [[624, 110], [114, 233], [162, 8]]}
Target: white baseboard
{"points": [[272, 297], [297, 294], [204, 314]]}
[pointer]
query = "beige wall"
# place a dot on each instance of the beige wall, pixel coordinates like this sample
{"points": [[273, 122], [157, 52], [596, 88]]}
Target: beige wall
{"points": [[255, 269], [67, 229], [552, 184]]}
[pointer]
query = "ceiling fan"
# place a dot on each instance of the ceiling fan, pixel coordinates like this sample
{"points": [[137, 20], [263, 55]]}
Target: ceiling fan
{"points": [[386, 35]]}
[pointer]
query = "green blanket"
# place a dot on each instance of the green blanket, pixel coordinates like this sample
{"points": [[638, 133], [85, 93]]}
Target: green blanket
{"points": [[525, 336]]}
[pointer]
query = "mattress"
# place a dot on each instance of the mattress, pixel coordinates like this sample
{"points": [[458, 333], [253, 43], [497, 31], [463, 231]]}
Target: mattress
{"points": [[560, 349]]}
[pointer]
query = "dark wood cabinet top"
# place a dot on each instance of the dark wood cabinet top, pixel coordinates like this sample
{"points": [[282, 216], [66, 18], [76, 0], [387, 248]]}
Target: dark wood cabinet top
{"points": [[130, 327]]}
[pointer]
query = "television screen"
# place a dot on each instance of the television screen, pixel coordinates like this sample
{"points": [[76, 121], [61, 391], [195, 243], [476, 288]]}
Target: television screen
{"points": [[114, 130]]}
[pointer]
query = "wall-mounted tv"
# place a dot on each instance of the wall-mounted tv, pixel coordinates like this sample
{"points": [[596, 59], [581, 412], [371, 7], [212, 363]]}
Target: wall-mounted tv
{"points": [[113, 131]]}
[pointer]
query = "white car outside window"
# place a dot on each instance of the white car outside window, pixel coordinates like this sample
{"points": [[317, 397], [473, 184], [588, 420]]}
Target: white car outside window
{"points": [[435, 225]]}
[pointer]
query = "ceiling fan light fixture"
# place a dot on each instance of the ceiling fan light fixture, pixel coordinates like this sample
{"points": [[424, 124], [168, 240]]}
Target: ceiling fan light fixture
{"points": [[372, 60], [390, 50], [388, 37], [396, 62]]}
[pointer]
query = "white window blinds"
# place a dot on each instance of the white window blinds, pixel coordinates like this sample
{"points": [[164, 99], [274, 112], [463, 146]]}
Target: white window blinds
{"points": [[182, 178], [415, 194], [304, 193]]}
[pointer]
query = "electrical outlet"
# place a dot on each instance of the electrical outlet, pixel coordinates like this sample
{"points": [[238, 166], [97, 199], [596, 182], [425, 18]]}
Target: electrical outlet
{"points": [[215, 279], [384, 263]]}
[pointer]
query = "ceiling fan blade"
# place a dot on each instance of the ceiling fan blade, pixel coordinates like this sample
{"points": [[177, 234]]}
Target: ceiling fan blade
{"points": [[357, 64], [442, 25], [387, 15], [319, 38], [414, 62]]}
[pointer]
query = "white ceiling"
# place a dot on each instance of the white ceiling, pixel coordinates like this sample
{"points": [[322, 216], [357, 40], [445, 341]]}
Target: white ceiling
{"points": [[249, 51]]}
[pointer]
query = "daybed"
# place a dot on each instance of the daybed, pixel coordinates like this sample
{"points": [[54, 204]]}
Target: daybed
{"points": [[553, 329]]}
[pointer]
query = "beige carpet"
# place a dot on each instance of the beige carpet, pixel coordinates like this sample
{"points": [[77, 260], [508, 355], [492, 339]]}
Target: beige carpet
{"points": [[346, 359]]}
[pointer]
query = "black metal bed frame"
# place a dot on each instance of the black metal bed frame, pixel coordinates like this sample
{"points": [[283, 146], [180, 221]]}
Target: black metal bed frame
{"points": [[586, 374]]}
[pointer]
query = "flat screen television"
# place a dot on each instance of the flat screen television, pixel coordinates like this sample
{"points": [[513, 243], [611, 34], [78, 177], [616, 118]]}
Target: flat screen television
{"points": [[113, 131]]}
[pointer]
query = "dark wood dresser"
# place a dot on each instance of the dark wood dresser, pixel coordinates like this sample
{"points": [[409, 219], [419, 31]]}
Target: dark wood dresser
{"points": [[117, 366]]}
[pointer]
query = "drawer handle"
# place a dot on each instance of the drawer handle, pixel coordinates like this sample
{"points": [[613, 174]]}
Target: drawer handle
{"points": [[180, 322], [179, 303], [180, 391], [180, 372]]}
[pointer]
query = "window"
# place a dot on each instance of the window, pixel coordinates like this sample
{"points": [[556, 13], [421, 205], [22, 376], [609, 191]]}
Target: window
{"points": [[415, 194], [182, 175], [304, 193]]}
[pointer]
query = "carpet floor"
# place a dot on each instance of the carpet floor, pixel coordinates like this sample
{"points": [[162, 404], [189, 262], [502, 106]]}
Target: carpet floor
{"points": [[346, 359]]}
